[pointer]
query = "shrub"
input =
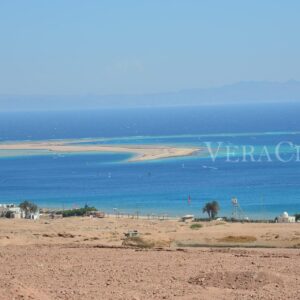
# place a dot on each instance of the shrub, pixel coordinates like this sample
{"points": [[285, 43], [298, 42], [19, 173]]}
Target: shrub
{"points": [[238, 239], [77, 211], [196, 226], [138, 243]]}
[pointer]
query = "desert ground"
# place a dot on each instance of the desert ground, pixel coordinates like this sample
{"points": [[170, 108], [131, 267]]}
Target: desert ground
{"points": [[89, 258]]}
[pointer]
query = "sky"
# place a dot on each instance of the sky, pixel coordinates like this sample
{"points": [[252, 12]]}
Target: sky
{"points": [[75, 47]]}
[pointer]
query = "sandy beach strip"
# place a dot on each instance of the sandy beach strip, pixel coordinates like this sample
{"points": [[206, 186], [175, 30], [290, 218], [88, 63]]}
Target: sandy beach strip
{"points": [[140, 152]]}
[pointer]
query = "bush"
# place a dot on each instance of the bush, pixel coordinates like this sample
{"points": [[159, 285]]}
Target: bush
{"points": [[297, 216], [196, 226], [138, 243], [238, 239], [77, 211]]}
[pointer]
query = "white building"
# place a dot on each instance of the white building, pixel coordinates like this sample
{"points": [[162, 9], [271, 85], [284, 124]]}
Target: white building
{"points": [[285, 218], [15, 212], [11, 209], [3, 211], [33, 216]]}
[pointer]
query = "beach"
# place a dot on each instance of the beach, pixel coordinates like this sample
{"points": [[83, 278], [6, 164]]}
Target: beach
{"points": [[82, 257], [140, 152]]}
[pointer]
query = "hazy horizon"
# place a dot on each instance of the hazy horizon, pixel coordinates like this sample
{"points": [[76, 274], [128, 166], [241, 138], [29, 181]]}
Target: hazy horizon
{"points": [[140, 47], [209, 87], [252, 92]]}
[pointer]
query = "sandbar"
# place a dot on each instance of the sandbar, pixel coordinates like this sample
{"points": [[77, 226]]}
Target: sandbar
{"points": [[140, 152]]}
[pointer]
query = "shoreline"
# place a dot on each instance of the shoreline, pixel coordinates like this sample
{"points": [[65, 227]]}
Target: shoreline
{"points": [[141, 152], [164, 216]]}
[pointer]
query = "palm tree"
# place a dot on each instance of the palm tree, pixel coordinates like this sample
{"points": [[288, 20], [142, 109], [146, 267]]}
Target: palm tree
{"points": [[206, 209], [28, 207], [211, 208]]}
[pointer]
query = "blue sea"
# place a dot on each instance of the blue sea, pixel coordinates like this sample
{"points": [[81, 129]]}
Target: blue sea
{"points": [[108, 181]]}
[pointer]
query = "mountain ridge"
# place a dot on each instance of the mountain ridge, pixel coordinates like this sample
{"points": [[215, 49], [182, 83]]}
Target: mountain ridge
{"points": [[236, 93]]}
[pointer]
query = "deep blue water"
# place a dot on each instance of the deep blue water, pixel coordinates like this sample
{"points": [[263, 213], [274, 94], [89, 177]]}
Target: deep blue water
{"points": [[264, 189], [150, 121]]}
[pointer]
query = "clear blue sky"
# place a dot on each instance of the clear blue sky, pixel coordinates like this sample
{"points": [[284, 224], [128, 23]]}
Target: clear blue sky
{"points": [[102, 47]]}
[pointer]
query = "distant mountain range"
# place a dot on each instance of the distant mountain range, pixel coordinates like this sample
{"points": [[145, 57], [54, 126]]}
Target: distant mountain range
{"points": [[242, 92]]}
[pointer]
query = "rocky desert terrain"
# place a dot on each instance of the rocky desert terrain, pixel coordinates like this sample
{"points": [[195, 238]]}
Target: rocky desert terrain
{"points": [[89, 258]]}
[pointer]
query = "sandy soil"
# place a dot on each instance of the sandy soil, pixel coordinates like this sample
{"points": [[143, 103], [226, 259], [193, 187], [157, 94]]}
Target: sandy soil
{"points": [[141, 152], [110, 231], [83, 258]]}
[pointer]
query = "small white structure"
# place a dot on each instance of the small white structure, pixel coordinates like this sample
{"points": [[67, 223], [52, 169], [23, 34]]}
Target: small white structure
{"points": [[7, 205], [187, 218], [33, 216], [10, 211], [15, 212], [285, 218]]}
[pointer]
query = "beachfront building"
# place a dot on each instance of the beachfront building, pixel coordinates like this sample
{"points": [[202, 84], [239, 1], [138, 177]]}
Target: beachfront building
{"points": [[33, 216], [15, 212], [10, 211], [3, 210], [285, 218]]}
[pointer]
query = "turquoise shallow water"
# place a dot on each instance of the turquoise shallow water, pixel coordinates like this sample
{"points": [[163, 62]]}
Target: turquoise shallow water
{"points": [[108, 181], [264, 189]]}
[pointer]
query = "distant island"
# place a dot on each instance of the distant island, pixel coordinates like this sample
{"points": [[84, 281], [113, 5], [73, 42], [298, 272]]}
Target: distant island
{"points": [[239, 93]]}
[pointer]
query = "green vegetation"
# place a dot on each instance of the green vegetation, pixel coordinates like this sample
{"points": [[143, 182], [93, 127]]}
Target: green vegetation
{"points": [[211, 208], [196, 226], [297, 216], [77, 211], [28, 207], [238, 239], [137, 242]]}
